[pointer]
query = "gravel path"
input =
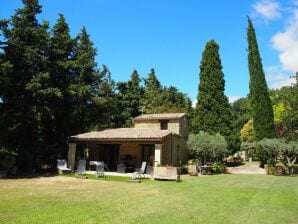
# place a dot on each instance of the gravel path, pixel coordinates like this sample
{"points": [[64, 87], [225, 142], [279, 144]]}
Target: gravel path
{"points": [[247, 169]]}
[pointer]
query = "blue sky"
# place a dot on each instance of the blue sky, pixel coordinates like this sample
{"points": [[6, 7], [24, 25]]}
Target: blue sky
{"points": [[170, 35]]}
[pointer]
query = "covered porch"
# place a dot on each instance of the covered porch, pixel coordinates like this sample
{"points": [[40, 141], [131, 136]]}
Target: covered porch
{"points": [[122, 150]]}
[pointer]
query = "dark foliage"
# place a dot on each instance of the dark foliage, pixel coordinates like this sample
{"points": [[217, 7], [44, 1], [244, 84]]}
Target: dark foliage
{"points": [[261, 112]]}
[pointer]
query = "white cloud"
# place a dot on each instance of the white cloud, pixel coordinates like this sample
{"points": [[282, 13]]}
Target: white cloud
{"points": [[276, 77], [286, 43], [194, 103], [266, 9], [232, 99]]}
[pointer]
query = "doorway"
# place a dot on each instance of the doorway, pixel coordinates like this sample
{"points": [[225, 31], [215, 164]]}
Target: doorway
{"points": [[148, 154], [109, 153]]}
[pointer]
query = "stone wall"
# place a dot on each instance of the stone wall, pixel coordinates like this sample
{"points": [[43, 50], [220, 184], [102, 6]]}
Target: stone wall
{"points": [[173, 150], [180, 152], [166, 154], [179, 127], [133, 149], [154, 125]]}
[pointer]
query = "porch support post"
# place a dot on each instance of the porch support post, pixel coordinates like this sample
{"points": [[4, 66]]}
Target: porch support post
{"points": [[157, 154], [72, 155]]}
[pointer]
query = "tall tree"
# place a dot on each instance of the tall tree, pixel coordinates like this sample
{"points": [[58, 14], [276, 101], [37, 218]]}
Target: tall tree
{"points": [[212, 112], [104, 112], [262, 112], [57, 96], [85, 84], [23, 61], [153, 93], [161, 99], [129, 96]]}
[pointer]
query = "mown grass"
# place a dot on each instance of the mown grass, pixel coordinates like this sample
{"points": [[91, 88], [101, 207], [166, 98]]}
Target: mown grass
{"points": [[106, 178], [204, 199]]}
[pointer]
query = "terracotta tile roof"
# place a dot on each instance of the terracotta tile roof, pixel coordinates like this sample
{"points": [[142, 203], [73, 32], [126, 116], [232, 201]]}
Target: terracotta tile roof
{"points": [[167, 116], [122, 134]]}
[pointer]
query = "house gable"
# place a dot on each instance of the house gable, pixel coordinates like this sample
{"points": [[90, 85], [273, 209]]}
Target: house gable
{"points": [[174, 122]]}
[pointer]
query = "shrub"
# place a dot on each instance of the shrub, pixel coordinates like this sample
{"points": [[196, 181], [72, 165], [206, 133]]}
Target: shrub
{"points": [[280, 171], [246, 133], [271, 162], [271, 170], [218, 167]]}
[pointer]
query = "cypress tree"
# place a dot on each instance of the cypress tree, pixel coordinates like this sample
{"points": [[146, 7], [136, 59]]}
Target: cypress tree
{"points": [[212, 112], [262, 112]]}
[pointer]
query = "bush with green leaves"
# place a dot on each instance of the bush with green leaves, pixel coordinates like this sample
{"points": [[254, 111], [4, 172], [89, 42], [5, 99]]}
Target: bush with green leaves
{"points": [[219, 167], [206, 147], [270, 151], [250, 147]]}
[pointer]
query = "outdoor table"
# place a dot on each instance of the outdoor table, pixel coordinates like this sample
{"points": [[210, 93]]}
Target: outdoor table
{"points": [[205, 170]]}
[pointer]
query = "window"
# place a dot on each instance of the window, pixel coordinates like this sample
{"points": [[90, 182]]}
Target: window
{"points": [[164, 124]]}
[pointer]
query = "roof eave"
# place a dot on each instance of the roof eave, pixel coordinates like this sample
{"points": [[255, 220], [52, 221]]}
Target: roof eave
{"points": [[73, 139]]}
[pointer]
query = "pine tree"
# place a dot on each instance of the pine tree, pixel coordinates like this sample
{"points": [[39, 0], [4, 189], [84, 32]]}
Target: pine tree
{"points": [[152, 98], [22, 63], [162, 99], [57, 97], [105, 111], [86, 81], [212, 112], [129, 96], [262, 112]]}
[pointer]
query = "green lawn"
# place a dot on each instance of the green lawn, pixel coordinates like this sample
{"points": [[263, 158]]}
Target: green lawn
{"points": [[205, 199]]}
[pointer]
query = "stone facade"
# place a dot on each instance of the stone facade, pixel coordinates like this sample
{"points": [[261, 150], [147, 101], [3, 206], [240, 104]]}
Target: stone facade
{"points": [[168, 149], [177, 126]]}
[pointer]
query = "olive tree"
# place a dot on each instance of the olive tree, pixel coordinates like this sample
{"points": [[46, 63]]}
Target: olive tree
{"points": [[272, 150], [207, 147]]}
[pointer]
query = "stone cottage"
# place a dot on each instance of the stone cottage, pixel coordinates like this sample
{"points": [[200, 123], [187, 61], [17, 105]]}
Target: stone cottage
{"points": [[159, 139]]}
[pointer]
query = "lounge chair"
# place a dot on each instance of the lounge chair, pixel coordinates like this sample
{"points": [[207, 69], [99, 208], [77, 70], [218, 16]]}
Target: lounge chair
{"points": [[82, 167], [141, 172], [100, 168], [121, 167], [62, 166]]}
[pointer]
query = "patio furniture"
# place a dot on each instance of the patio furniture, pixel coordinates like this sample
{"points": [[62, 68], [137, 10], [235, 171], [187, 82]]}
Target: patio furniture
{"points": [[141, 172], [100, 169], [206, 170], [121, 167], [82, 167], [92, 165], [149, 170], [62, 166]]}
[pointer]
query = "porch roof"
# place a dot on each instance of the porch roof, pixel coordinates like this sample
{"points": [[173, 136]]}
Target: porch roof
{"points": [[164, 116], [121, 134]]}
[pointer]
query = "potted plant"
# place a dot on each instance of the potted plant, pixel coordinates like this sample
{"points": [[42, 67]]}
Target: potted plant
{"points": [[7, 162]]}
